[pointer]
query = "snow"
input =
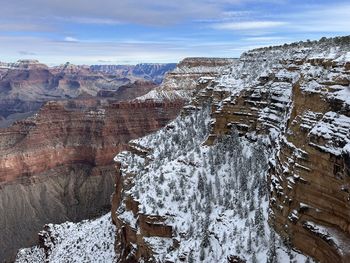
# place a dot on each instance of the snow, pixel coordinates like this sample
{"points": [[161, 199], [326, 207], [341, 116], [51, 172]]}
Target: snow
{"points": [[181, 83], [214, 197], [331, 235], [86, 241], [334, 129]]}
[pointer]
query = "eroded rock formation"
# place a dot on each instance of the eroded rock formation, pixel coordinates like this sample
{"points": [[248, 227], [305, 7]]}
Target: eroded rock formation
{"points": [[58, 164], [190, 76], [26, 85], [297, 96]]}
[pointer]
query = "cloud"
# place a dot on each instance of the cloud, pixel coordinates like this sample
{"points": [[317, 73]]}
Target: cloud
{"points": [[58, 52], [150, 12], [10, 26], [70, 39], [332, 18], [248, 25], [26, 53]]}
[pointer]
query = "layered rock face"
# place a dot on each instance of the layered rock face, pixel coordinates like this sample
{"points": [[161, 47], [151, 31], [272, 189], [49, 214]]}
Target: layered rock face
{"points": [[149, 71], [295, 98], [190, 75], [129, 91], [303, 103], [58, 164], [26, 85], [310, 180]]}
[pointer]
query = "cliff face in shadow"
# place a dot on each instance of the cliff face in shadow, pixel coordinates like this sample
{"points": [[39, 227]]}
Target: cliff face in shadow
{"points": [[57, 165]]}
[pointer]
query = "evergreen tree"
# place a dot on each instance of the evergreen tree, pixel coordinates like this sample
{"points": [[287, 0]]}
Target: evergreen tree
{"points": [[272, 254], [202, 254], [254, 259], [249, 243]]}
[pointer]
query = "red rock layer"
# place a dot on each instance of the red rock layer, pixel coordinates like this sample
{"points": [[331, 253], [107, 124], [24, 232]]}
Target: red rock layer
{"points": [[73, 132], [58, 165]]}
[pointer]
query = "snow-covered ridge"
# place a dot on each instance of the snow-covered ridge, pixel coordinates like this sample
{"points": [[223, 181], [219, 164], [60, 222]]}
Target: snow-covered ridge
{"points": [[86, 241], [23, 64], [183, 81], [215, 197]]}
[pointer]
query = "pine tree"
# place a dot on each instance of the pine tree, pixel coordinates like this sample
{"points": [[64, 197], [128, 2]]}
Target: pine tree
{"points": [[200, 185], [190, 257], [272, 254], [254, 259], [249, 243], [202, 254]]}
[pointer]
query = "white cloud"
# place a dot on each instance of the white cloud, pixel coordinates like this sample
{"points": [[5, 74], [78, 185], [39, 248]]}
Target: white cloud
{"points": [[70, 39], [248, 25], [81, 52]]}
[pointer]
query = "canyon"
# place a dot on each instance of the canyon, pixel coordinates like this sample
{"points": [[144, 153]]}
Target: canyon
{"points": [[57, 165], [254, 169], [61, 128], [27, 84], [292, 101]]}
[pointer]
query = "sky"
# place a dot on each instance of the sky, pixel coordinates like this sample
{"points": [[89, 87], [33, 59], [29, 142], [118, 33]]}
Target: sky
{"points": [[160, 31]]}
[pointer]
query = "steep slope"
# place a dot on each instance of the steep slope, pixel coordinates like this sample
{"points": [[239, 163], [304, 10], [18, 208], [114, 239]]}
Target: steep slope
{"points": [[149, 71], [58, 164], [26, 85], [302, 102], [182, 82], [264, 146], [295, 99]]}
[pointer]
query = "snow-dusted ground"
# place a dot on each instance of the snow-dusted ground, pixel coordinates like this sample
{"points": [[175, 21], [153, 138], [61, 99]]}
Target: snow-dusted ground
{"points": [[87, 241], [181, 82], [215, 197]]}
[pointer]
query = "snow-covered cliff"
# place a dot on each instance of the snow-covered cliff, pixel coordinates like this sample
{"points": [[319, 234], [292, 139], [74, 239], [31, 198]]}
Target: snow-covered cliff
{"points": [[256, 168]]}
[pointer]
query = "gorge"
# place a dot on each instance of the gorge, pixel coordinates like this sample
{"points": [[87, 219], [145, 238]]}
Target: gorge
{"points": [[254, 169]]}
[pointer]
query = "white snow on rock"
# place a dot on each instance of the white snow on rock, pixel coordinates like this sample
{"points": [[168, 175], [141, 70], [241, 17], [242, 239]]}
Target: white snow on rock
{"points": [[334, 129], [86, 241], [214, 197]]}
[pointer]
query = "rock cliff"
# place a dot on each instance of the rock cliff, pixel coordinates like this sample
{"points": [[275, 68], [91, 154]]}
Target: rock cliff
{"points": [[58, 164], [26, 85], [292, 100], [149, 71], [255, 168], [190, 75]]}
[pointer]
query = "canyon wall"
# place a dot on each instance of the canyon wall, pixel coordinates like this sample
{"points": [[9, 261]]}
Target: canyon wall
{"points": [[26, 85], [190, 76], [95, 146], [293, 98], [302, 104], [58, 164], [262, 147]]}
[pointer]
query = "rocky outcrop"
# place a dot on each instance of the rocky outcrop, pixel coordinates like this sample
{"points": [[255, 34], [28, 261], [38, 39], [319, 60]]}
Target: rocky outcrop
{"points": [[129, 91], [26, 85], [302, 103], [154, 72], [295, 98], [310, 180], [58, 164], [190, 76]]}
